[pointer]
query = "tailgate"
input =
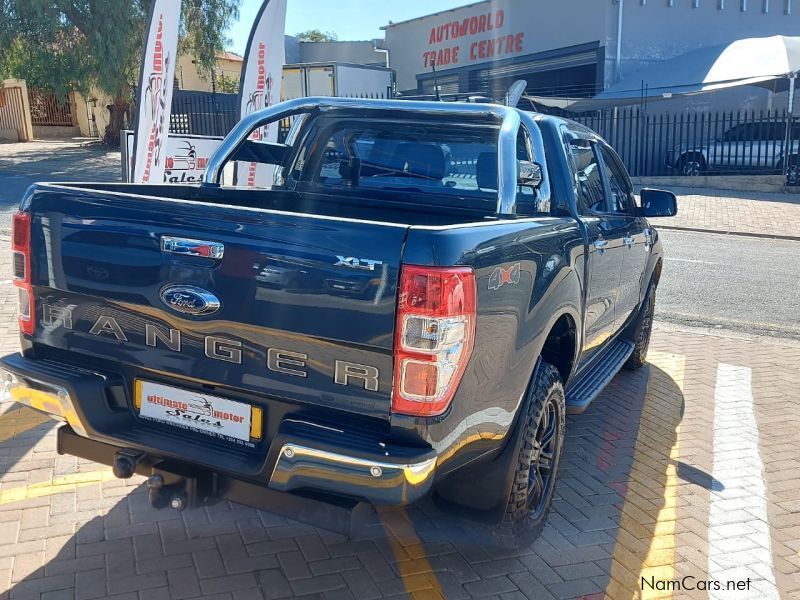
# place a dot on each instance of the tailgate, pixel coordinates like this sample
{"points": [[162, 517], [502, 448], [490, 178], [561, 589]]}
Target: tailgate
{"points": [[306, 304]]}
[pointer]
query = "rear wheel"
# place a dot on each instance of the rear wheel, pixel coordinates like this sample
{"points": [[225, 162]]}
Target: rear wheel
{"points": [[642, 331], [539, 457], [691, 165]]}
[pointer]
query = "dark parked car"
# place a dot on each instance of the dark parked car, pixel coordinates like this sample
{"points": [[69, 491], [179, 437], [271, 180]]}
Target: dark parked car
{"points": [[370, 333]]}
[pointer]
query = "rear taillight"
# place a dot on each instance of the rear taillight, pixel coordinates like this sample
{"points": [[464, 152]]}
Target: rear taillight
{"points": [[434, 334], [21, 248]]}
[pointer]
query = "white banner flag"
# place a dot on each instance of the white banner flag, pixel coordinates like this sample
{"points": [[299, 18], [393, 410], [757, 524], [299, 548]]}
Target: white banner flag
{"points": [[261, 84], [156, 81]]}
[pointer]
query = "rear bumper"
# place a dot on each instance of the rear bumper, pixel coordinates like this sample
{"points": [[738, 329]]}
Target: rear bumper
{"points": [[375, 479], [294, 460]]}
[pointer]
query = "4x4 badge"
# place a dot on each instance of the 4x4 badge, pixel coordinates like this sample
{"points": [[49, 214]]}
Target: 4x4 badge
{"points": [[501, 276]]}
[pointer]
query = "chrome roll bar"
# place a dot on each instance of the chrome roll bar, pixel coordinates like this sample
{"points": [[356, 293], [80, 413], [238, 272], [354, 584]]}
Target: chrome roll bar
{"points": [[507, 139]]}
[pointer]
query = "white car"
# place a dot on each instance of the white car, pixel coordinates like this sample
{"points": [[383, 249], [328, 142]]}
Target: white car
{"points": [[748, 146]]}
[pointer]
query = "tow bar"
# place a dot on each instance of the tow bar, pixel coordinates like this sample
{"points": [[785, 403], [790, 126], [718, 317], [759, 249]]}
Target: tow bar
{"points": [[180, 486]]}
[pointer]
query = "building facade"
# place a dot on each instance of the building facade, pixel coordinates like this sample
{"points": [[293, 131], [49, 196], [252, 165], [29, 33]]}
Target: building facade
{"points": [[189, 77], [568, 48]]}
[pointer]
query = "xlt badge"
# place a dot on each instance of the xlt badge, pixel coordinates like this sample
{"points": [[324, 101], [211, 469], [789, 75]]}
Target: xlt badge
{"points": [[357, 263]]}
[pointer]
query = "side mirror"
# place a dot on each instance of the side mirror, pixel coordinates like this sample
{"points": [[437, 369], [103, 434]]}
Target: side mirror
{"points": [[529, 173], [658, 203]]}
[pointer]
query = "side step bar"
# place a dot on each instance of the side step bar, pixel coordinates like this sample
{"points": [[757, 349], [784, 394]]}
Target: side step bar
{"points": [[588, 386]]}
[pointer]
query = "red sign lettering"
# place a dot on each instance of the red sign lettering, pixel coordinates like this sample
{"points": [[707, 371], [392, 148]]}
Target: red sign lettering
{"points": [[478, 49]]}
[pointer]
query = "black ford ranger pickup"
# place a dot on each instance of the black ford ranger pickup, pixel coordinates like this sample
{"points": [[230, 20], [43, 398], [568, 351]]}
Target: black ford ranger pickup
{"points": [[413, 307]]}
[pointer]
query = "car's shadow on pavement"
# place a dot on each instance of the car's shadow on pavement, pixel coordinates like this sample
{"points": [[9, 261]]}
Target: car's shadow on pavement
{"points": [[616, 484]]}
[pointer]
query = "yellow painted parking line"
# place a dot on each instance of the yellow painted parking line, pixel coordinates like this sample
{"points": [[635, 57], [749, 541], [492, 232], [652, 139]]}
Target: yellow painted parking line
{"points": [[20, 419], [645, 544], [57, 485], [419, 580]]}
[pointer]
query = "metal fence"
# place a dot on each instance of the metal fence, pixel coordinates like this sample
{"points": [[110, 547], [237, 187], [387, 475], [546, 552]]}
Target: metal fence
{"points": [[203, 113], [745, 142], [47, 109], [651, 144]]}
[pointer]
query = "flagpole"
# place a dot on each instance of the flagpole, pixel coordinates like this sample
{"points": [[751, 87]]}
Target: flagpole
{"points": [[138, 99], [262, 71], [154, 92]]}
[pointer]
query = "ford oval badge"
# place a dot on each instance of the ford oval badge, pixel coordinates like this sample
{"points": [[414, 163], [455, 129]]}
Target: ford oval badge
{"points": [[190, 300]]}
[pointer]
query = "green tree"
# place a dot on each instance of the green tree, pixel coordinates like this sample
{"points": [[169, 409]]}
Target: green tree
{"points": [[315, 35], [72, 45], [227, 85]]}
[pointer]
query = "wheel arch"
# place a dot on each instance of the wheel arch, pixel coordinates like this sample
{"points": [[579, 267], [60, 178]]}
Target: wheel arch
{"points": [[481, 490], [560, 347]]}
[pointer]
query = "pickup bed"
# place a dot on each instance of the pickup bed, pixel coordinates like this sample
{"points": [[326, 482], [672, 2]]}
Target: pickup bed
{"points": [[413, 307]]}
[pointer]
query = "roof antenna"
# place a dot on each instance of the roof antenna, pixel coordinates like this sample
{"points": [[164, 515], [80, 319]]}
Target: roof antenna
{"points": [[435, 82]]}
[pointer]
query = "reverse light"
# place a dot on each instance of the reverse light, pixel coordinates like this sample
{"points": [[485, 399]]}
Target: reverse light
{"points": [[434, 335], [21, 249]]}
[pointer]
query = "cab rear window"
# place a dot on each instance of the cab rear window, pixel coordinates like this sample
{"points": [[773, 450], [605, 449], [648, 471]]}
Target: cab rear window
{"points": [[442, 158]]}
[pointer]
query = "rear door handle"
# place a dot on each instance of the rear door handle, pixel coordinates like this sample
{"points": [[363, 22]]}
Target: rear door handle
{"points": [[601, 244], [628, 241], [190, 247]]}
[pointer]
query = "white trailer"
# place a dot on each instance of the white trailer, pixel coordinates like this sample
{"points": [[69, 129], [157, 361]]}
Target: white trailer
{"points": [[337, 79]]}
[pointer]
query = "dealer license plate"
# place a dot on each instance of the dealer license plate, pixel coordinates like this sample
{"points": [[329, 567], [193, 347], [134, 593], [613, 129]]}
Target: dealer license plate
{"points": [[218, 417]]}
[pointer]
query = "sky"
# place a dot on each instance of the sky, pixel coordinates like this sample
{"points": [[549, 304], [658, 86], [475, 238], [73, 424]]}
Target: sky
{"points": [[349, 19]]}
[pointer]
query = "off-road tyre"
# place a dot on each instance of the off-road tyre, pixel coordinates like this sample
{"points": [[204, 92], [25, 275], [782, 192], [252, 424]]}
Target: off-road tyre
{"points": [[641, 332], [527, 510]]}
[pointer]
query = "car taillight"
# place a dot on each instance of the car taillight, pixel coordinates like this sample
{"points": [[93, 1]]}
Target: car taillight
{"points": [[434, 334], [21, 248]]}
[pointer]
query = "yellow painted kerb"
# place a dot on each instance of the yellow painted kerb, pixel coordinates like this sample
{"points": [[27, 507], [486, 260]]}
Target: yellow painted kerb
{"points": [[58, 485]]}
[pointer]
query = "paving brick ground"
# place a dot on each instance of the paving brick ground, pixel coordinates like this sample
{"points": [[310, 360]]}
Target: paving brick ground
{"points": [[650, 485], [645, 491], [728, 211]]}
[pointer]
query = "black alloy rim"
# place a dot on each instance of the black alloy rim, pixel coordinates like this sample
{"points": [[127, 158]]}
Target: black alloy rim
{"points": [[541, 479]]}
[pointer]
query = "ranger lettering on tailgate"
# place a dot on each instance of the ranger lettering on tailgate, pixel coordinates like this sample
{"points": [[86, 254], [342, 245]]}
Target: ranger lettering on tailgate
{"points": [[218, 348]]}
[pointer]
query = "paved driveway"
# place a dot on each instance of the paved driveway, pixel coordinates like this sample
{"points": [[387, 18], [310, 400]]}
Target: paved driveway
{"points": [[63, 160], [682, 472]]}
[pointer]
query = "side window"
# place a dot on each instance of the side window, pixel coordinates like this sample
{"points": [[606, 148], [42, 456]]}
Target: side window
{"points": [[620, 200], [738, 133], [588, 178]]}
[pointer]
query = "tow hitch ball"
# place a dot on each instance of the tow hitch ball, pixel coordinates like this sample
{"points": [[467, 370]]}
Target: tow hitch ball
{"points": [[169, 484], [161, 495], [125, 462]]}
